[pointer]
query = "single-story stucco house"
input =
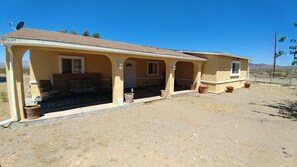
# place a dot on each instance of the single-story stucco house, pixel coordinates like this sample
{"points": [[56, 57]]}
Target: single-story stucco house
{"points": [[222, 69], [60, 57]]}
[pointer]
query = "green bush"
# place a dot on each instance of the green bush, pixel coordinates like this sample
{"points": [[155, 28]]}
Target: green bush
{"points": [[3, 96], [2, 71], [26, 71]]}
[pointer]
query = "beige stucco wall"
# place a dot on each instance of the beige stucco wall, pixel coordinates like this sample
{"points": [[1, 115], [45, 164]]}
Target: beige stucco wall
{"points": [[142, 78], [224, 68], [212, 88], [184, 73], [216, 72], [44, 63], [209, 68], [222, 87]]}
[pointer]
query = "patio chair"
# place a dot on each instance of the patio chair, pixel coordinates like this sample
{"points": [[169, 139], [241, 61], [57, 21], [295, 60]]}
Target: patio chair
{"points": [[46, 86]]}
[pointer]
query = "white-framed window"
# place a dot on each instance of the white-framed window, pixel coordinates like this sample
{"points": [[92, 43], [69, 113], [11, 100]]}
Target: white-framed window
{"points": [[152, 68], [235, 68], [71, 65]]}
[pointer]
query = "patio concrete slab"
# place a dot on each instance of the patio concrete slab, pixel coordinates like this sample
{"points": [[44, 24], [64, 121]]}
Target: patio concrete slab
{"points": [[54, 117]]}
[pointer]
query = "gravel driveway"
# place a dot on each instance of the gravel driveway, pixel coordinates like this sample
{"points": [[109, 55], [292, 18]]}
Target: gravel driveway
{"points": [[250, 127]]}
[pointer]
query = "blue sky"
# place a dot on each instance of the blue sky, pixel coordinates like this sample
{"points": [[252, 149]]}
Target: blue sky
{"points": [[243, 27]]}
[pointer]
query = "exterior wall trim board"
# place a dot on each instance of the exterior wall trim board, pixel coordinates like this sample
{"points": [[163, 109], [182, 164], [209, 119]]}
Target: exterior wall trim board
{"points": [[222, 82]]}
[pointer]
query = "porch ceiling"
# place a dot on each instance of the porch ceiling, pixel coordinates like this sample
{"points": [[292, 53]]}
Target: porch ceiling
{"points": [[31, 37]]}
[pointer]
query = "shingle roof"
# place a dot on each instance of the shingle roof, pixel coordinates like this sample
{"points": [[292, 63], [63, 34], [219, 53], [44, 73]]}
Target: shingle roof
{"points": [[43, 35]]}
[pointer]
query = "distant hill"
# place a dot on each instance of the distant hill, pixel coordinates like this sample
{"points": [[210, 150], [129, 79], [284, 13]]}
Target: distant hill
{"points": [[2, 65], [25, 64], [267, 67]]}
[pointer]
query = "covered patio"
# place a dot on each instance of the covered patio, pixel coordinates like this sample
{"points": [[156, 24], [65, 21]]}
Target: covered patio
{"points": [[58, 57]]}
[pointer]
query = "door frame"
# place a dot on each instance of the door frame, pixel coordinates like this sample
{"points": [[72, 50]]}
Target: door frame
{"points": [[133, 62]]}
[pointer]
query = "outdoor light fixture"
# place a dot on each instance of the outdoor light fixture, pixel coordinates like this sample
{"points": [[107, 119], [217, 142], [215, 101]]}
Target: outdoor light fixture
{"points": [[173, 66], [120, 65]]}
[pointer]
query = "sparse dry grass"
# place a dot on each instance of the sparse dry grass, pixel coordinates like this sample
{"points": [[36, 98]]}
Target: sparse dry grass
{"points": [[2, 71], [220, 107], [3, 96], [4, 108], [25, 71]]}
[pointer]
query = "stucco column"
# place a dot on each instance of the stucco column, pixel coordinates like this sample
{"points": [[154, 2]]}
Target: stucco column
{"points": [[170, 75], [197, 74], [117, 63], [248, 70], [16, 86], [10, 93]]}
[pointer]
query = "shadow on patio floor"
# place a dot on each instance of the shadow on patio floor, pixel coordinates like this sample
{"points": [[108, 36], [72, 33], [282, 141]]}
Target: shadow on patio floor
{"points": [[144, 92], [72, 102]]}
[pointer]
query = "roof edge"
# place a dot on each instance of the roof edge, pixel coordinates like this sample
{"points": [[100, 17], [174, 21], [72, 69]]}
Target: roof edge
{"points": [[45, 43], [215, 53]]}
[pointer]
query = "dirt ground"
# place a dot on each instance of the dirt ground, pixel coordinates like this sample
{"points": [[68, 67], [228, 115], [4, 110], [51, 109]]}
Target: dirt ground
{"points": [[250, 127], [4, 106]]}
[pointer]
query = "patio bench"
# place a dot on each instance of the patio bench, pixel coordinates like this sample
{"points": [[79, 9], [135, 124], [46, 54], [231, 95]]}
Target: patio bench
{"points": [[79, 86]]}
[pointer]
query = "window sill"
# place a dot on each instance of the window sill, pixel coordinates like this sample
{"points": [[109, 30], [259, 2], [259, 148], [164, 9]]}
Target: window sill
{"points": [[235, 75]]}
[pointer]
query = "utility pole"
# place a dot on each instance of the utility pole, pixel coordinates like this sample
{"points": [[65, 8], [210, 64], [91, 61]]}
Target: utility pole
{"points": [[274, 62]]}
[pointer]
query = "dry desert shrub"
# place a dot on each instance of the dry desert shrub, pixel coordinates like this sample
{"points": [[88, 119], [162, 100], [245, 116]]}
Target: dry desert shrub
{"points": [[3, 96]]}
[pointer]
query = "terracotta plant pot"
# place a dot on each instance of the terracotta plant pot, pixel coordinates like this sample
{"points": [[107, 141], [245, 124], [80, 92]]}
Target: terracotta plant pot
{"points": [[129, 97], [203, 89], [247, 85], [32, 112], [229, 89]]}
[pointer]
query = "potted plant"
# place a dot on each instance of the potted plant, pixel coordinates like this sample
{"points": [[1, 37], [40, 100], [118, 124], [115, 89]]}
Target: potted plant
{"points": [[247, 85], [203, 89], [32, 108], [229, 89]]}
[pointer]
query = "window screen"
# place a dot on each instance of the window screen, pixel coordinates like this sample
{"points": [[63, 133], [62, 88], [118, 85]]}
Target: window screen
{"points": [[153, 68], [66, 66]]}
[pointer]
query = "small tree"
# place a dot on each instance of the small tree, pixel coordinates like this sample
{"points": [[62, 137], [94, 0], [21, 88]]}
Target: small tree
{"points": [[73, 32], [96, 35], [86, 33], [292, 48], [63, 31]]}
